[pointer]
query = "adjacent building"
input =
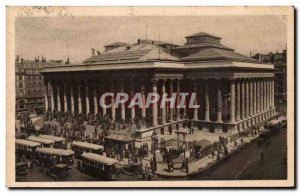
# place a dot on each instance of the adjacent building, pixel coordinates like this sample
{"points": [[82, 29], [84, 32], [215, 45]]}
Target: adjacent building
{"points": [[30, 83], [280, 65]]}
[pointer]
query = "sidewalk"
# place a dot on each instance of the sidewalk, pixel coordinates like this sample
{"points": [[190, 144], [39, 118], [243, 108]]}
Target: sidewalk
{"points": [[202, 164]]}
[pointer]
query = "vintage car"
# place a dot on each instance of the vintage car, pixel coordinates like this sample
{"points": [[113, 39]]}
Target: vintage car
{"points": [[21, 168], [59, 171]]}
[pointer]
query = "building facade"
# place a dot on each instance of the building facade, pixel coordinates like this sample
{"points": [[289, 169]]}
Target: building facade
{"points": [[280, 65], [29, 83], [234, 92]]}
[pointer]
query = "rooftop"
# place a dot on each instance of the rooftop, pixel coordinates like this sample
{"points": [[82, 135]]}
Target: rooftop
{"points": [[209, 54], [202, 34], [135, 52]]}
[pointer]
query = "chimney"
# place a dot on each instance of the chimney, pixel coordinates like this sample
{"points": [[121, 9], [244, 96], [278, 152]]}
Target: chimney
{"points": [[18, 59], [93, 52], [259, 58], [68, 61]]}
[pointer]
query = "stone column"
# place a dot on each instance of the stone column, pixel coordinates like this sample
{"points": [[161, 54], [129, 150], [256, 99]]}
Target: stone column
{"points": [[58, 98], [207, 118], [261, 95], [219, 102], [171, 112], [72, 97], [79, 97], [258, 96], [132, 95], [95, 98], [154, 105], [163, 113], [178, 99], [242, 100], [143, 113], [195, 102], [46, 95], [113, 109], [270, 94], [52, 95], [265, 95], [65, 98], [238, 102], [232, 102], [247, 99], [123, 113], [254, 97], [251, 97], [272, 85], [87, 98], [102, 83]]}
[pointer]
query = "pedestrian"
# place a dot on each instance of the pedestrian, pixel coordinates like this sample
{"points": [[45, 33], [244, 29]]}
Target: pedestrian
{"points": [[172, 166], [218, 157], [212, 154], [187, 166], [262, 155]]}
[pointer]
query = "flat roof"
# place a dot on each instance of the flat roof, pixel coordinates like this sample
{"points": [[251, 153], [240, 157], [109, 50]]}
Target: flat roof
{"points": [[53, 151], [99, 158], [27, 142], [40, 140], [51, 137], [87, 145]]}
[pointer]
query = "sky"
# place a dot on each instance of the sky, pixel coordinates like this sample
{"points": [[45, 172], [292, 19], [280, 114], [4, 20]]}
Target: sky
{"points": [[58, 38]]}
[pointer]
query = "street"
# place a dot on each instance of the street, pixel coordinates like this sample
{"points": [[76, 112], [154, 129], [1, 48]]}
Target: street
{"points": [[247, 164]]}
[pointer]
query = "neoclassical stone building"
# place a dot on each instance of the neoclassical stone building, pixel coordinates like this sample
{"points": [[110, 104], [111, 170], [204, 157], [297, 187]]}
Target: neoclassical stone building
{"points": [[233, 91]]}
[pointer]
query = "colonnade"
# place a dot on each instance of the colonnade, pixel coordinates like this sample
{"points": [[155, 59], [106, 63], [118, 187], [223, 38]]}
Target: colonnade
{"points": [[245, 98]]}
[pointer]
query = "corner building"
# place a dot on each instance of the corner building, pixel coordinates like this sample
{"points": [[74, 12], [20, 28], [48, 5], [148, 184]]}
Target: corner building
{"points": [[234, 92]]}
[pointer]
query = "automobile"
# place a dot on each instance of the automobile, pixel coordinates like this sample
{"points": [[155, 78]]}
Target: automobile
{"points": [[21, 168], [264, 137], [59, 171]]}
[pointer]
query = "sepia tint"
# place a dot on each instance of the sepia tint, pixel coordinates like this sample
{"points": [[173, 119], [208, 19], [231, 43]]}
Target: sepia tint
{"points": [[150, 97]]}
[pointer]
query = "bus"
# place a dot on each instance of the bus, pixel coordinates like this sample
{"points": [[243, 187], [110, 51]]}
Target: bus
{"points": [[59, 142], [51, 156], [26, 148], [99, 166], [80, 147], [43, 141]]}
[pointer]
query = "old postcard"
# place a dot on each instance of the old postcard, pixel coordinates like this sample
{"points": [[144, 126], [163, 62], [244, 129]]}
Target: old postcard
{"points": [[150, 97]]}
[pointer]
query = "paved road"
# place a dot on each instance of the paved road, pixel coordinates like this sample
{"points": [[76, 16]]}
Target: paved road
{"points": [[247, 164]]}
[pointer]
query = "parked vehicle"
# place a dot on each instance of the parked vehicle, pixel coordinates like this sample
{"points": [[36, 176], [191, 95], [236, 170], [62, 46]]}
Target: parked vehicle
{"points": [[83, 147], [43, 141], [26, 148], [59, 142], [21, 168], [51, 156], [59, 171], [99, 166]]}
